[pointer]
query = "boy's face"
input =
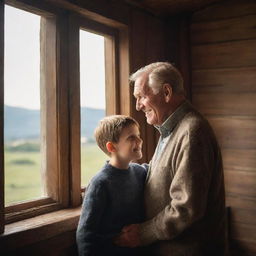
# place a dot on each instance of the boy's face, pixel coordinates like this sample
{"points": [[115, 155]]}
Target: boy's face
{"points": [[129, 145]]}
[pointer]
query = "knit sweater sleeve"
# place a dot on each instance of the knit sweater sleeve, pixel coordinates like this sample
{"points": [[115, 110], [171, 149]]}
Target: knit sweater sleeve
{"points": [[188, 190], [90, 219]]}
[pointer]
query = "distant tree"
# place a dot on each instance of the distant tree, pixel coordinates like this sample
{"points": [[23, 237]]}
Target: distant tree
{"points": [[24, 147], [22, 162]]}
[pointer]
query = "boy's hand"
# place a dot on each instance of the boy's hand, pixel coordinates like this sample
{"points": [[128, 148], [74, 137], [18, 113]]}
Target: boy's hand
{"points": [[129, 237]]}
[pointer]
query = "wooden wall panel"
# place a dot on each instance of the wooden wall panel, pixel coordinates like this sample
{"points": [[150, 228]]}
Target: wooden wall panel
{"points": [[240, 215], [246, 203], [226, 103], [224, 55], [239, 159], [225, 10], [224, 89], [234, 132], [235, 80], [240, 182], [225, 30]]}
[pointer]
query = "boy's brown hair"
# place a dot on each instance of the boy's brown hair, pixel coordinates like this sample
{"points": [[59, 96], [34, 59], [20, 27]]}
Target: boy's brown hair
{"points": [[110, 129]]}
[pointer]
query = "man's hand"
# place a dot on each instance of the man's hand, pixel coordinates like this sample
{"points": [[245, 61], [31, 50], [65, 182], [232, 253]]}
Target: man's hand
{"points": [[129, 237]]}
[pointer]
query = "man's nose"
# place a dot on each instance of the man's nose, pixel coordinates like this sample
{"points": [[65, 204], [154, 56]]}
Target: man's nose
{"points": [[138, 105], [139, 141]]}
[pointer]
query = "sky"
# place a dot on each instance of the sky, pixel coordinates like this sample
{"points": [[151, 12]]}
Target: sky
{"points": [[22, 62]]}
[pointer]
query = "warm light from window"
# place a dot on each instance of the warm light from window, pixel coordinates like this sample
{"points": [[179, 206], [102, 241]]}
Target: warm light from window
{"points": [[22, 106], [92, 98]]}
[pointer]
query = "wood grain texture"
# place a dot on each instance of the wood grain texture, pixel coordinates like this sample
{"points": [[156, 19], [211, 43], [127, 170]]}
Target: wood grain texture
{"points": [[74, 108], [235, 132], [223, 88], [239, 201], [170, 7], [238, 28], [224, 55], [63, 129], [111, 12], [123, 66], [243, 232], [22, 234], [240, 215], [230, 80], [240, 182], [225, 10], [239, 159], [242, 104], [48, 114]]}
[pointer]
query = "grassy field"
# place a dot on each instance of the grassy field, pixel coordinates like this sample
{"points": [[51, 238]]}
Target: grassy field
{"points": [[23, 177], [92, 160]]}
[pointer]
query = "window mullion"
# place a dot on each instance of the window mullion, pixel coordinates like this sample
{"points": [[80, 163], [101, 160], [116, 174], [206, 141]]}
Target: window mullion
{"points": [[63, 112], [49, 166], [74, 107]]}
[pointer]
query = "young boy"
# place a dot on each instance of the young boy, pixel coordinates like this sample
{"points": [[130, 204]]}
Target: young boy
{"points": [[114, 197]]}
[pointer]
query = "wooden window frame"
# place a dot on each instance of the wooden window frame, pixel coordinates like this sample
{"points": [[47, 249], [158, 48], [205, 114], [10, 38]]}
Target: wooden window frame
{"points": [[51, 122], [62, 84], [116, 52]]}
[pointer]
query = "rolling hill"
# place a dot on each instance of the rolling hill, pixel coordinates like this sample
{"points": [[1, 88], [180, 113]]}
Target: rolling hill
{"points": [[22, 123]]}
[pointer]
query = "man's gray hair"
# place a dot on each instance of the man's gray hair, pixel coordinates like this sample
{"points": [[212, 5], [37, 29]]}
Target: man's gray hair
{"points": [[160, 73]]}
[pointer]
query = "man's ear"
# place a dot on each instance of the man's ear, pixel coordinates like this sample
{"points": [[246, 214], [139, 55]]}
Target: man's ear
{"points": [[167, 89], [110, 147]]}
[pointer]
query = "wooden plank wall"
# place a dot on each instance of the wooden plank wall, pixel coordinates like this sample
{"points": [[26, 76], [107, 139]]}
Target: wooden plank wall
{"points": [[223, 59]]}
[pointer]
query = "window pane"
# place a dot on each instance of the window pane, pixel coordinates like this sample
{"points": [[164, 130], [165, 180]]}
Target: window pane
{"points": [[92, 98], [22, 106]]}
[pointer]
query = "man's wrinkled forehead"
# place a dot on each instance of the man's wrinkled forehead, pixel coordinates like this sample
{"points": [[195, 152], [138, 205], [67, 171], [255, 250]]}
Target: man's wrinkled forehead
{"points": [[140, 85]]}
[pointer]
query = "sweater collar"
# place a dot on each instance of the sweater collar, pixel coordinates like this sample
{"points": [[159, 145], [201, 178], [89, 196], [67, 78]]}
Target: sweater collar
{"points": [[169, 124]]}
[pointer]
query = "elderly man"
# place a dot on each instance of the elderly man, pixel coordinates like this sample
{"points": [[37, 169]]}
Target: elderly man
{"points": [[184, 190]]}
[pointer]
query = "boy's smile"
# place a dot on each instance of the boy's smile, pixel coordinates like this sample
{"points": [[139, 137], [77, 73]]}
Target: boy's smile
{"points": [[129, 146]]}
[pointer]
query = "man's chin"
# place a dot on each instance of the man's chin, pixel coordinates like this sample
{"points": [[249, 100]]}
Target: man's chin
{"points": [[138, 157], [150, 121]]}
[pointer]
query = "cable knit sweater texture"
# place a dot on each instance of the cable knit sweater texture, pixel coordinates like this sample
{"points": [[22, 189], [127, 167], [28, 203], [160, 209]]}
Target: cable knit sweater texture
{"points": [[184, 192]]}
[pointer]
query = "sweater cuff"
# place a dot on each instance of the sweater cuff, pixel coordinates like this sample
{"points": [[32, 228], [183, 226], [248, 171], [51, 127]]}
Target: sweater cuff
{"points": [[147, 232]]}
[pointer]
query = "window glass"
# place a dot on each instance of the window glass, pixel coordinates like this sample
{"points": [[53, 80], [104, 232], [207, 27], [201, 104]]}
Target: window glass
{"points": [[22, 106], [93, 103]]}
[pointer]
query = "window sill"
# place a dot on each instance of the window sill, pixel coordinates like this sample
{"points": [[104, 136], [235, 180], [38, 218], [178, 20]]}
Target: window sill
{"points": [[36, 229]]}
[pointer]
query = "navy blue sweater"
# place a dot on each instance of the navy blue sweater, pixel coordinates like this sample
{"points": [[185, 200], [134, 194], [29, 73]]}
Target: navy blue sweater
{"points": [[113, 199]]}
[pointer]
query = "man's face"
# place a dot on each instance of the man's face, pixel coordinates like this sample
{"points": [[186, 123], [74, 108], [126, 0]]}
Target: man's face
{"points": [[153, 105]]}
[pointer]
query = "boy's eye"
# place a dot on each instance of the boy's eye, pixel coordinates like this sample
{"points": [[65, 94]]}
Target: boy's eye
{"points": [[133, 137]]}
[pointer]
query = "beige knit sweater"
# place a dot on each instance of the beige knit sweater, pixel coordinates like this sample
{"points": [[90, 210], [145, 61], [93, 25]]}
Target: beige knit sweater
{"points": [[184, 191]]}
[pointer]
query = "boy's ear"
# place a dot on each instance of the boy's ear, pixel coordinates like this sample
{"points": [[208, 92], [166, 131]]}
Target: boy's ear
{"points": [[110, 147]]}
